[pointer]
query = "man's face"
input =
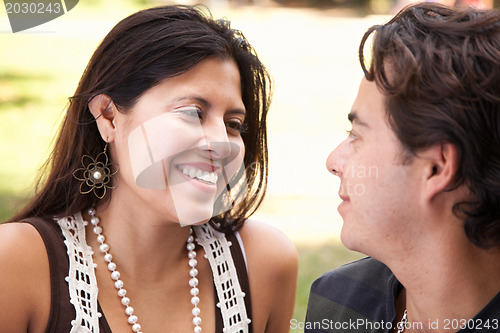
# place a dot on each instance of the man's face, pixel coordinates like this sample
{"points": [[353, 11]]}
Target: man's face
{"points": [[377, 188]]}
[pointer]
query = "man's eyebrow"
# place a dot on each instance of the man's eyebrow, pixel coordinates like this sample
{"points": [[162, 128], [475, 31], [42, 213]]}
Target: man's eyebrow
{"points": [[354, 118]]}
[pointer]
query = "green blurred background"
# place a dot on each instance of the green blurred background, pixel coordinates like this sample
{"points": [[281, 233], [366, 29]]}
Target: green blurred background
{"points": [[309, 46]]}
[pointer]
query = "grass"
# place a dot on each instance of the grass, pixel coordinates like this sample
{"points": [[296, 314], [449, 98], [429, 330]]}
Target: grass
{"points": [[314, 260], [22, 114], [27, 102]]}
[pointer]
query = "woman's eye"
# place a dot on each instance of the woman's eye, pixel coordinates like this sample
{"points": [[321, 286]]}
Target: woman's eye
{"points": [[236, 126], [192, 112]]}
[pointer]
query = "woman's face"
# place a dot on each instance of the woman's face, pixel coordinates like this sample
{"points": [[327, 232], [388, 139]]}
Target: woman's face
{"points": [[181, 143]]}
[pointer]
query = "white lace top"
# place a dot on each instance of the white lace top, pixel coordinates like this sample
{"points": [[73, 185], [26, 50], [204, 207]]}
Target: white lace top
{"points": [[83, 285]]}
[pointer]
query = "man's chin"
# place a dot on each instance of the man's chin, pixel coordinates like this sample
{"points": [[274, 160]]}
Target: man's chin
{"points": [[348, 240]]}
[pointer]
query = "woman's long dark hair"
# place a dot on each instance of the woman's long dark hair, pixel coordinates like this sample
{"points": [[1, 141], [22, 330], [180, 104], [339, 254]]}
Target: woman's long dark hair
{"points": [[137, 54]]}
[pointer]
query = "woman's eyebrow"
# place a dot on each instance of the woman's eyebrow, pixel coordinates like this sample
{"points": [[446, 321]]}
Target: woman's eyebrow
{"points": [[207, 104]]}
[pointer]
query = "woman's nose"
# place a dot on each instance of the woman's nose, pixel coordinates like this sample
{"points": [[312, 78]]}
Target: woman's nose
{"points": [[217, 141]]}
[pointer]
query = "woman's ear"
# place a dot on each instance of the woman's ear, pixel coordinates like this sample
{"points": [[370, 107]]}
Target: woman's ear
{"points": [[104, 110]]}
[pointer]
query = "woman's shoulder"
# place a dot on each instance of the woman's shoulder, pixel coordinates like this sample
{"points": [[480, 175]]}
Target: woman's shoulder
{"points": [[272, 270], [263, 241], [25, 279], [21, 247]]}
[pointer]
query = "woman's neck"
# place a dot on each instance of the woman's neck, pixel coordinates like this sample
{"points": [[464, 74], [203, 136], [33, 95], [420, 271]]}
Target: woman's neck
{"points": [[141, 243]]}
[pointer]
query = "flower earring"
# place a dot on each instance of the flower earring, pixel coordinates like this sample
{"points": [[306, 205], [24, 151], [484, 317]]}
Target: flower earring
{"points": [[96, 174]]}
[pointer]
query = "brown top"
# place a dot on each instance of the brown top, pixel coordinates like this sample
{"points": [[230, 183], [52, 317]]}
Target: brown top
{"points": [[62, 312]]}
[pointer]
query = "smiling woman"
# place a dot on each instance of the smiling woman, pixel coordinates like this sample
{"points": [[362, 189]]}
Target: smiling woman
{"points": [[167, 129]]}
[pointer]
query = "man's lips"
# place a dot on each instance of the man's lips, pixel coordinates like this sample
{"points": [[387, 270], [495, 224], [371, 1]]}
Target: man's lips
{"points": [[344, 197], [345, 201]]}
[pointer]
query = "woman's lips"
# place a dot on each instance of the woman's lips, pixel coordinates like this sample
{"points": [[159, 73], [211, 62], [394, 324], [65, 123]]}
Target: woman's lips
{"points": [[202, 175]]}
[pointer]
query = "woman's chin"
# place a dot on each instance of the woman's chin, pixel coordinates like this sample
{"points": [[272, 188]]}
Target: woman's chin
{"points": [[194, 217]]}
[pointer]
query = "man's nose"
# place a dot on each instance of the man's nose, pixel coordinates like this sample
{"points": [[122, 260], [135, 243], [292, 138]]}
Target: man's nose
{"points": [[336, 160]]}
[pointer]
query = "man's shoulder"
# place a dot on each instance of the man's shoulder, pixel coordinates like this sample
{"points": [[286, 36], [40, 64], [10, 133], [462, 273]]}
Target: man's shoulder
{"points": [[361, 290], [366, 271]]}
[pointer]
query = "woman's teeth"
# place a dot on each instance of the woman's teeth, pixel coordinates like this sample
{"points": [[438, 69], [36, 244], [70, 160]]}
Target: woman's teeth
{"points": [[208, 177]]}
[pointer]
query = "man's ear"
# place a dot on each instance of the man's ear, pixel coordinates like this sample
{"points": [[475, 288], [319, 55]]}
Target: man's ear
{"points": [[104, 110], [441, 165]]}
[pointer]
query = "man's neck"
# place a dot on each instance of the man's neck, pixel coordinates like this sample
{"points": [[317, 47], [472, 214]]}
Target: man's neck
{"points": [[448, 281]]}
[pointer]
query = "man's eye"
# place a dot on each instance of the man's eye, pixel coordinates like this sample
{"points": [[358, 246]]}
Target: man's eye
{"points": [[351, 135]]}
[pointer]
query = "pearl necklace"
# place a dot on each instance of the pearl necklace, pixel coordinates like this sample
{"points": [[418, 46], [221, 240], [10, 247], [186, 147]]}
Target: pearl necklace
{"points": [[115, 276], [402, 323]]}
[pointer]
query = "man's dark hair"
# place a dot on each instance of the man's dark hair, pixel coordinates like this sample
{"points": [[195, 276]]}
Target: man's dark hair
{"points": [[439, 69]]}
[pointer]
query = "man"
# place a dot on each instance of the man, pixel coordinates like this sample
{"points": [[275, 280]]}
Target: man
{"points": [[420, 181]]}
